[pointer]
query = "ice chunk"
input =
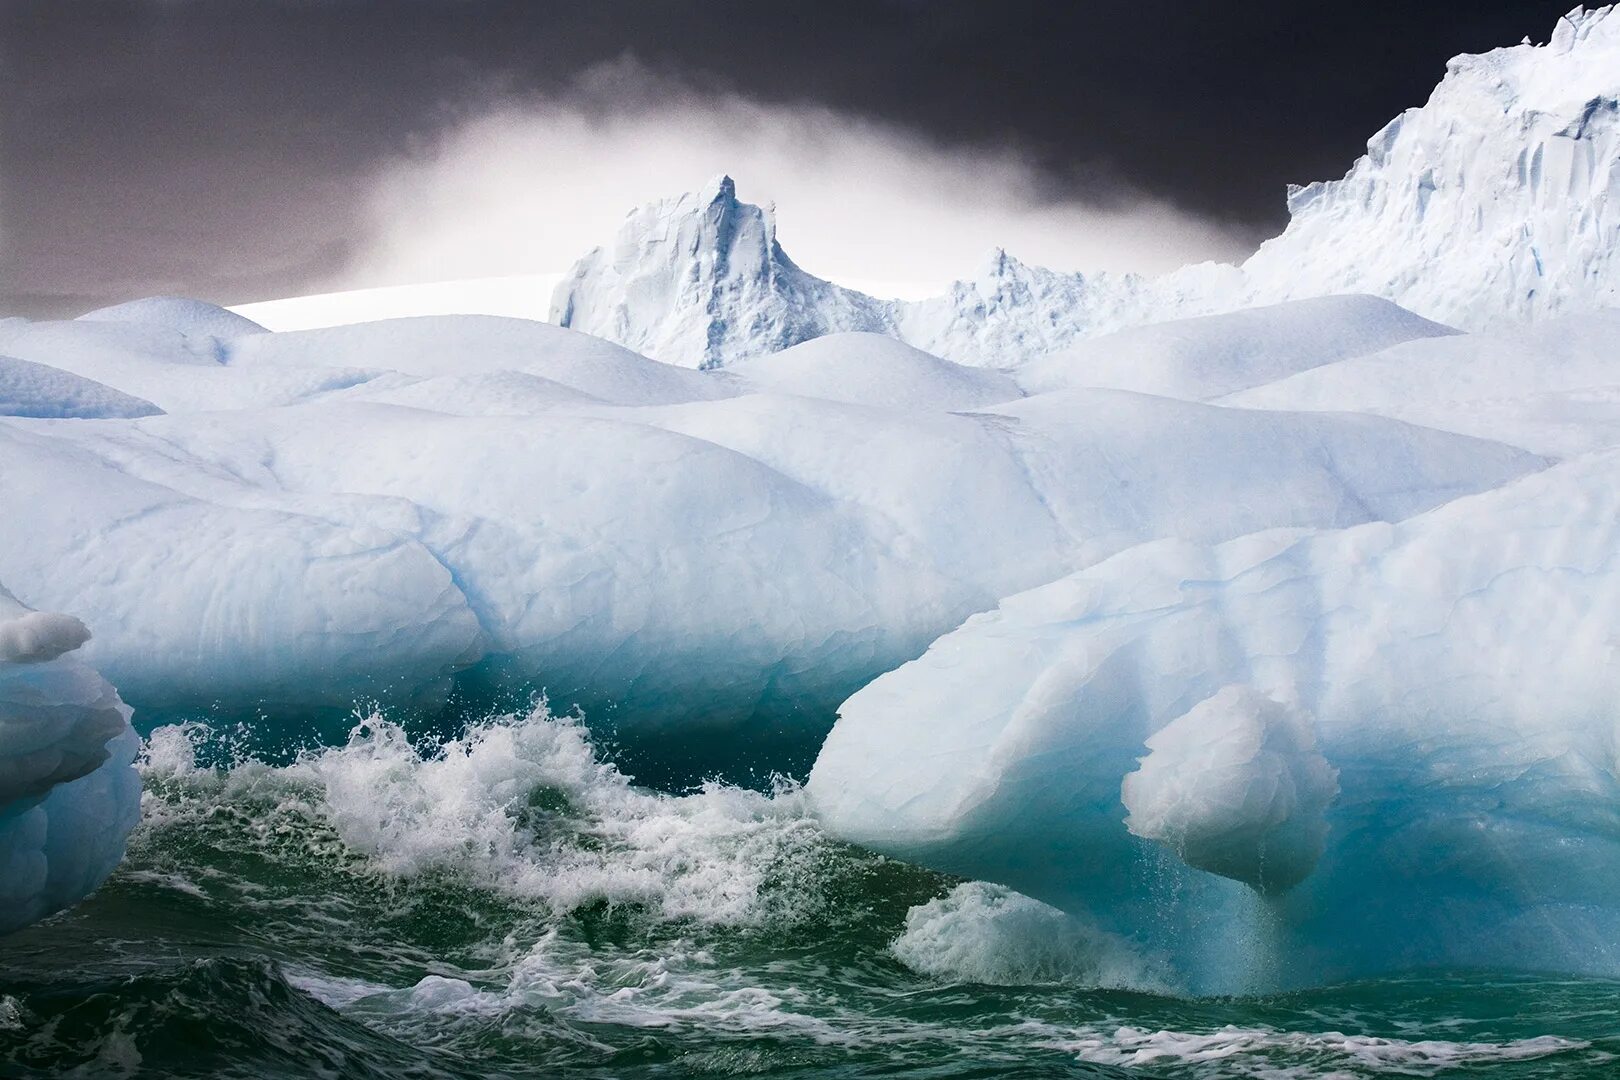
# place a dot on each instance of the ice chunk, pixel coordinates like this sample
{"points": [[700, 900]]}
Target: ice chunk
{"points": [[516, 505], [203, 603], [700, 281], [1491, 204], [37, 636], [1236, 786], [68, 797]]}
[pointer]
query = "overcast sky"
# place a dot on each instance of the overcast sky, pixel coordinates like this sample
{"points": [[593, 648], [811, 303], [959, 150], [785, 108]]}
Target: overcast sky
{"points": [[248, 149]]}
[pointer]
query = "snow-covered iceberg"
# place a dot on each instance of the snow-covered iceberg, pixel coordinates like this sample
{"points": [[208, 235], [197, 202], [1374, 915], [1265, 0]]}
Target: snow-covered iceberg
{"points": [[711, 265], [68, 796], [1492, 204], [385, 511], [1294, 756]]}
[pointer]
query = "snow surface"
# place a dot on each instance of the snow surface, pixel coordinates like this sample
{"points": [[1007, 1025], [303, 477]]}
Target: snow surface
{"points": [[1181, 707], [29, 389], [1203, 358], [872, 369], [191, 317], [68, 796], [1493, 204], [517, 296], [1553, 388], [372, 511]]}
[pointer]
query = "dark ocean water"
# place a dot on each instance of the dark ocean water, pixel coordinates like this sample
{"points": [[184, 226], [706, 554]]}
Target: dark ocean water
{"points": [[509, 905]]}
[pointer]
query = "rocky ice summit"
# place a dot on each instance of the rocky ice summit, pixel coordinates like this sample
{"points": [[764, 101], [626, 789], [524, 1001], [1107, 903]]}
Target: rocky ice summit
{"points": [[1497, 202]]}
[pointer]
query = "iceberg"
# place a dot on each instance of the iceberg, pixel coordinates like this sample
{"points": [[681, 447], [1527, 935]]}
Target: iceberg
{"points": [[711, 266], [391, 512], [1491, 205], [68, 794], [1297, 756]]}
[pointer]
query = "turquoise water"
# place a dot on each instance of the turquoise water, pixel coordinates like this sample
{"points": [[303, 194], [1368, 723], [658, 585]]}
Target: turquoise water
{"points": [[507, 904]]}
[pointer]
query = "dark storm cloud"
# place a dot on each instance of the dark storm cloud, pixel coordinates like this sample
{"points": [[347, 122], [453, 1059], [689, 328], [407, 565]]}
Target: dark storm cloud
{"points": [[221, 147]]}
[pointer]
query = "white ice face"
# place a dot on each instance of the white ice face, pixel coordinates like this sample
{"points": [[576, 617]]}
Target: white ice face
{"points": [[68, 796]]}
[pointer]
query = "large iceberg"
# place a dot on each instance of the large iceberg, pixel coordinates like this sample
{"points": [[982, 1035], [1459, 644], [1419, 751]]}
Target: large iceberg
{"points": [[68, 796], [1492, 204], [1295, 756], [391, 511]]}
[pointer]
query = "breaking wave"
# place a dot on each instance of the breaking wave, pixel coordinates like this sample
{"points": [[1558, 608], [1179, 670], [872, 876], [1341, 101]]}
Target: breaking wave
{"points": [[506, 902]]}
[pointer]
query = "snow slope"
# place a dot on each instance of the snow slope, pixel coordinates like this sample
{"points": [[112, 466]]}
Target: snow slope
{"points": [[1203, 358], [1399, 734], [1492, 204], [520, 296], [1553, 388], [29, 389], [68, 797]]}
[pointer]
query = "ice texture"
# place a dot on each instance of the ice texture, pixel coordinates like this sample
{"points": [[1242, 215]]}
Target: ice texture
{"points": [[1144, 741], [68, 796], [713, 265], [1492, 204]]}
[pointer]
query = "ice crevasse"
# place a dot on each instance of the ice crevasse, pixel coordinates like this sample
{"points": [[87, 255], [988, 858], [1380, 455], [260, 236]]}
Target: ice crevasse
{"points": [[68, 794], [1295, 756]]}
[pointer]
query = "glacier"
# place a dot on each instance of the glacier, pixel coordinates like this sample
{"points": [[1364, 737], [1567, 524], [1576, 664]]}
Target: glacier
{"points": [[68, 796], [1491, 205]]}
